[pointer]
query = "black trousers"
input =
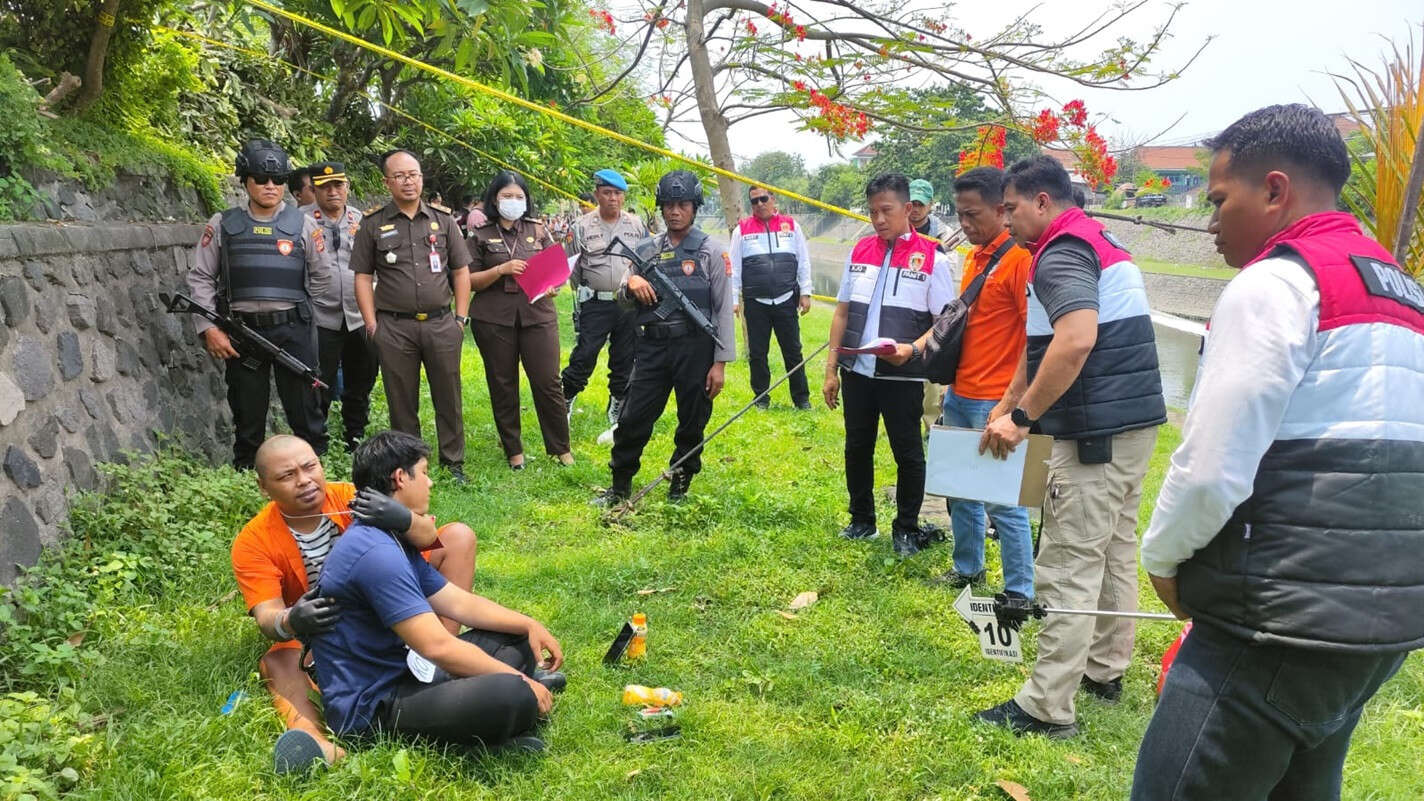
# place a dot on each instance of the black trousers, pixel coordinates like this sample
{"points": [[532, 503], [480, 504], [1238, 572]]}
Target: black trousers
{"points": [[350, 351], [782, 318], [663, 367], [1241, 721], [469, 710], [865, 402], [249, 393], [602, 321]]}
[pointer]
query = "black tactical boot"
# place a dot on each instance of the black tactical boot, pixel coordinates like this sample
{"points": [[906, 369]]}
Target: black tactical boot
{"points": [[678, 484]]}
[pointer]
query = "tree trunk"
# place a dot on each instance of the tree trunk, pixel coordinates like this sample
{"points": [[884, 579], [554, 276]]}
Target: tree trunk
{"points": [[93, 84], [714, 124]]}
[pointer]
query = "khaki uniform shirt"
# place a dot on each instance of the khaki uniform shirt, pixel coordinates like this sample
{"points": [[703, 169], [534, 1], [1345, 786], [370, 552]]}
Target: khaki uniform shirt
{"points": [[397, 250], [205, 276], [503, 302], [593, 269], [338, 304]]}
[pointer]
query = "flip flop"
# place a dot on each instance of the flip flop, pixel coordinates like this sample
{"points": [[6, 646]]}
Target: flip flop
{"points": [[296, 752]]}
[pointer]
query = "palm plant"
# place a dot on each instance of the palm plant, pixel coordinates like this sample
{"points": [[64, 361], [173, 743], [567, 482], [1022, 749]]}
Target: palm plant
{"points": [[1384, 193]]}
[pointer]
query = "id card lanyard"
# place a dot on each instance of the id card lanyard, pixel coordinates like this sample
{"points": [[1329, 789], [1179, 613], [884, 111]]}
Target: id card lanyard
{"points": [[435, 265]]}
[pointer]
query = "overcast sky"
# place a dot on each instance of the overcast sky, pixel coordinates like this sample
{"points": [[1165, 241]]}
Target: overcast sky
{"points": [[1264, 52]]}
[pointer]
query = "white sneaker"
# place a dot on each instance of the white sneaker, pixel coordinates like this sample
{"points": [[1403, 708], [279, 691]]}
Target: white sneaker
{"points": [[606, 438], [569, 407]]}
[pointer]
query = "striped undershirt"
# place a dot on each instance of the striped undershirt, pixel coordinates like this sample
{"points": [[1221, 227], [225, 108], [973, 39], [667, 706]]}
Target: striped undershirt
{"points": [[315, 546]]}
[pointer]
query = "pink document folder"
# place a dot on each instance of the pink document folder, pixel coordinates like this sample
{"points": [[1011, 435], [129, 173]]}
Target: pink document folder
{"points": [[547, 270]]}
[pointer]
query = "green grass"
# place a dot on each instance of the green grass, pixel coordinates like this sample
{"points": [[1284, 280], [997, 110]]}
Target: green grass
{"points": [[1190, 270], [866, 695]]}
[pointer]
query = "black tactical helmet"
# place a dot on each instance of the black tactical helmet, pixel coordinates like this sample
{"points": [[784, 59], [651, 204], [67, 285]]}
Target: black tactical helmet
{"points": [[680, 185], [262, 157]]}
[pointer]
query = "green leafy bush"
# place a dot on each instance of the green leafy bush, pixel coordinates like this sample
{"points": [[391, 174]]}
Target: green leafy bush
{"points": [[22, 140], [44, 745]]}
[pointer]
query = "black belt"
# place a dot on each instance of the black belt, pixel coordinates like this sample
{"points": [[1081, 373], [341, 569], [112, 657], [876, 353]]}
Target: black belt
{"points": [[269, 319], [434, 314], [666, 330]]}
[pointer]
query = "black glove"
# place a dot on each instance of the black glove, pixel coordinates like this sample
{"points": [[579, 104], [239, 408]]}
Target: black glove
{"points": [[312, 614], [1015, 610], [382, 511]]}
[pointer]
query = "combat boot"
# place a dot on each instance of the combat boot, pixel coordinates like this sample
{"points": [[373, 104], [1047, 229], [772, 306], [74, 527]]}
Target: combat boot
{"points": [[678, 484], [613, 496]]}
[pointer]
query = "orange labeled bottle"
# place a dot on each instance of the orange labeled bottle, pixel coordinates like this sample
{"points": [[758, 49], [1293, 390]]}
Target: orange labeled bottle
{"points": [[638, 646]]}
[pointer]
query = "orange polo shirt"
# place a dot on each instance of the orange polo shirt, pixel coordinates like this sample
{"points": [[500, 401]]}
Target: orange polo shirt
{"points": [[996, 333]]}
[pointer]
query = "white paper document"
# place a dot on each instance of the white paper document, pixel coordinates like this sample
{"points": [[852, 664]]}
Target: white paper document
{"points": [[956, 469]]}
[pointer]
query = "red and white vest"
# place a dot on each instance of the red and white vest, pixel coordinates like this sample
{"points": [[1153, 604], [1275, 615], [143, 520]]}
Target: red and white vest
{"points": [[769, 259], [905, 311]]}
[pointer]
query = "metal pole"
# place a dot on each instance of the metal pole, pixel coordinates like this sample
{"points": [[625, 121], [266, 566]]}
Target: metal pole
{"points": [[1109, 613], [627, 506]]}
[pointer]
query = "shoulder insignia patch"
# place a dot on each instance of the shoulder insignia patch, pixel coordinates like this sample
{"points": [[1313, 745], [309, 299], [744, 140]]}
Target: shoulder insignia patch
{"points": [[1112, 240], [207, 236], [727, 262], [284, 247], [688, 266]]}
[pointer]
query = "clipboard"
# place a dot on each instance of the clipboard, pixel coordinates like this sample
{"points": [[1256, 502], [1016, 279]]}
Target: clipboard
{"points": [[956, 469]]}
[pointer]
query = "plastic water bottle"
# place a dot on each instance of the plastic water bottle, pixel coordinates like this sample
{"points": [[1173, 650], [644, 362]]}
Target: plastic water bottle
{"points": [[638, 646], [638, 695]]}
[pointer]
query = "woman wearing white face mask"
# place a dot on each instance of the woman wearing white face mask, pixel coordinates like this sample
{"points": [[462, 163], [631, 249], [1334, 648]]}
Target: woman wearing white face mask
{"points": [[508, 328]]}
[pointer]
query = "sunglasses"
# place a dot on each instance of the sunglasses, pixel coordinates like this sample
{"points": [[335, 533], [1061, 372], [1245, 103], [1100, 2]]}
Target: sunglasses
{"points": [[757, 201], [270, 178]]}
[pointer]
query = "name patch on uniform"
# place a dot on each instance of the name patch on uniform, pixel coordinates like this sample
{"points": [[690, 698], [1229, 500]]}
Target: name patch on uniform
{"points": [[688, 266], [915, 275], [388, 234], [284, 247], [1112, 240], [495, 246], [1384, 280], [857, 268], [390, 227], [265, 230], [667, 255]]}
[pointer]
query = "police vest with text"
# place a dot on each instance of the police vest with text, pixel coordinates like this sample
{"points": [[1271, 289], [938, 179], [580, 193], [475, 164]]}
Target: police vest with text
{"points": [[905, 311], [685, 265], [769, 259], [1328, 551], [264, 260], [1119, 387]]}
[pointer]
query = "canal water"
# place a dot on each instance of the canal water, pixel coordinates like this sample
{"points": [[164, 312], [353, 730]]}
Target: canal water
{"points": [[1178, 350]]}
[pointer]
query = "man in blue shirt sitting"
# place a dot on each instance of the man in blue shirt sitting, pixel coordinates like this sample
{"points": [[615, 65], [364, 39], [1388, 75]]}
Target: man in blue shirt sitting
{"points": [[388, 664]]}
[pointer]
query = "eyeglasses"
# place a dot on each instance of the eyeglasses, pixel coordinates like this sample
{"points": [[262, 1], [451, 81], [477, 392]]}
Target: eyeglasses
{"points": [[275, 178], [757, 201], [404, 177]]}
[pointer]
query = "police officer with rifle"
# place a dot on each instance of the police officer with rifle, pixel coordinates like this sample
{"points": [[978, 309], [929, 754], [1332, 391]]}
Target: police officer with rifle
{"points": [[259, 264], [679, 283]]}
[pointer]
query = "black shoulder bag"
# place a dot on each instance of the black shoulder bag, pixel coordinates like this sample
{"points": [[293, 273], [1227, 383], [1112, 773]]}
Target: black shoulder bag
{"points": [[941, 354]]}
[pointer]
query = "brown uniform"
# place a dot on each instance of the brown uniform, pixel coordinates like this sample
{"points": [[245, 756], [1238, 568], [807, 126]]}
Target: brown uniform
{"points": [[509, 329], [412, 259]]}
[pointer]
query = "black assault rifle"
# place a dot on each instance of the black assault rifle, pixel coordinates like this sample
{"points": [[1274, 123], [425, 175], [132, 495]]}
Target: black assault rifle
{"points": [[670, 298], [244, 339]]}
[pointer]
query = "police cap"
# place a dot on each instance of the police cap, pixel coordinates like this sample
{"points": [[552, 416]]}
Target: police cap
{"points": [[610, 178], [679, 185], [262, 157], [324, 172]]}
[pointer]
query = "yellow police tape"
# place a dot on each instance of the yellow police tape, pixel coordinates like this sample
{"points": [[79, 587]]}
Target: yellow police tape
{"points": [[386, 106], [545, 110]]}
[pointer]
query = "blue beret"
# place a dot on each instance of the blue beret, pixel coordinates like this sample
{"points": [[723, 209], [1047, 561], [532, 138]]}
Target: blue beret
{"points": [[610, 178]]}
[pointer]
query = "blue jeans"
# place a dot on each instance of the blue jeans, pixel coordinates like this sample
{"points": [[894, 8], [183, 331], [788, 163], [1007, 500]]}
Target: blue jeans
{"points": [[1239, 721], [1015, 539]]}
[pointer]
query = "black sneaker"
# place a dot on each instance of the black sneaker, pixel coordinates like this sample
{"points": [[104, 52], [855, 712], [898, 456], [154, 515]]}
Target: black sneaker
{"points": [[611, 497], [763, 403], [1012, 717], [957, 580], [905, 543], [860, 531], [803, 405], [553, 680], [929, 534], [527, 743], [457, 473], [1109, 692], [678, 485]]}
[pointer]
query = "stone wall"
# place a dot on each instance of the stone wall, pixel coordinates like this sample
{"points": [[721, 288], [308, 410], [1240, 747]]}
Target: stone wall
{"points": [[1182, 295], [91, 367]]}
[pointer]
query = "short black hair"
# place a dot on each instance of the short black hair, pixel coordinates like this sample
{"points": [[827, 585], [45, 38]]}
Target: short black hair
{"points": [[1040, 174], [378, 457], [502, 179], [298, 178], [1080, 198], [754, 188], [386, 156], [987, 181], [1294, 138], [889, 182]]}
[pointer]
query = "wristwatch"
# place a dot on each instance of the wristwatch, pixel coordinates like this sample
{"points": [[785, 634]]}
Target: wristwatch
{"points": [[1020, 418], [914, 351], [462, 320]]}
